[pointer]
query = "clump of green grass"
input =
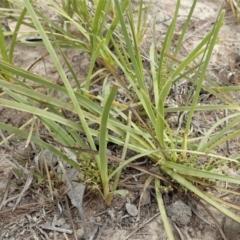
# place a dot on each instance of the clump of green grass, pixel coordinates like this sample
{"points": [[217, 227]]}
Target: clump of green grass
{"points": [[108, 32]]}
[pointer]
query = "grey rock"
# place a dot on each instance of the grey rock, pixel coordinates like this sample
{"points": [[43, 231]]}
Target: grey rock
{"points": [[131, 208], [180, 213]]}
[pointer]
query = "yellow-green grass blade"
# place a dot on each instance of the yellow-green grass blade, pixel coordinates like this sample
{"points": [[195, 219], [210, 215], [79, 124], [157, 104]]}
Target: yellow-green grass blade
{"points": [[3, 46], [203, 108], [90, 105], [170, 32], [94, 56], [225, 139], [206, 141], [137, 77], [184, 29], [208, 52], [181, 169], [39, 112], [162, 210], [51, 101], [103, 164], [159, 128]]}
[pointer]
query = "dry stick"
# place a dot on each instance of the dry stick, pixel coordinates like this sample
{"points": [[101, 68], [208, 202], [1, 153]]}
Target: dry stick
{"points": [[77, 200], [21, 208], [131, 176], [182, 237], [146, 184], [94, 232], [214, 219], [58, 229], [5, 194], [142, 225], [227, 193], [65, 235], [43, 233], [53, 225], [70, 218], [226, 123], [102, 229], [199, 215], [5, 141], [28, 182], [55, 235]]}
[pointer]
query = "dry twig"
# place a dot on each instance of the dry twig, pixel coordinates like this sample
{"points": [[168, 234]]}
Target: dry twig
{"points": [[58, 229], [77, 200], [141, 226]]}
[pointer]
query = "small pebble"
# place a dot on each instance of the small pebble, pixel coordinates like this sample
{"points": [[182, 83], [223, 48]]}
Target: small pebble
{"points": [[180, 213], [60, 222], [41, 201], [200, 227], [198, 233], [191, 232], [145, 197], [80, 233], [10, 205], [98, 219], [131, 209], [51, 235]]}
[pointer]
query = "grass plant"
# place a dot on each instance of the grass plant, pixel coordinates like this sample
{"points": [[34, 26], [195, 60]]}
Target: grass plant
{"points": [[112, 33]]}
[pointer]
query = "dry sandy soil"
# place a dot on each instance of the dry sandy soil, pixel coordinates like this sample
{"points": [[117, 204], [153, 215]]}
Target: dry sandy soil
{"points": [[36, 208]]}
